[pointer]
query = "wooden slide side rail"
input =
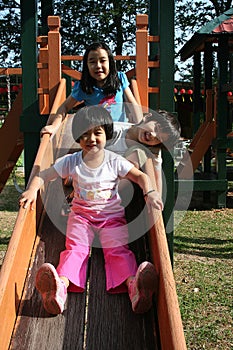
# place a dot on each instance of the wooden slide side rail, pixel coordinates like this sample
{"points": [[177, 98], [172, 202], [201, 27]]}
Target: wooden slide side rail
{"points": [[13, 272], [197, 149], [17, 259], [15, 265], [169, 317]]}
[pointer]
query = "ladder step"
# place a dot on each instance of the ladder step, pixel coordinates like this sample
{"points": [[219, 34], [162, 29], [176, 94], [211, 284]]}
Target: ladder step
{"points": [[42, 91], [42, 40], [154, 64], [153, 90], [42, 65], [154, 38]]}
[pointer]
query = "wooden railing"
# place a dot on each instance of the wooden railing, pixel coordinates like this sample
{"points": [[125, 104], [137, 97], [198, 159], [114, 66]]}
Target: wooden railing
{"points": [[16, 262]]}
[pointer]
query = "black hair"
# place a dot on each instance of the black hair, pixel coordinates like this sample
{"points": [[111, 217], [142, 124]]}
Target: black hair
{"points": [[168, 124], [112, 82], [89, 117]]}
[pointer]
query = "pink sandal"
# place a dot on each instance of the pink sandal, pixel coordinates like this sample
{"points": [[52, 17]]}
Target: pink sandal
{"points": [[142, 287], [51, 288]]}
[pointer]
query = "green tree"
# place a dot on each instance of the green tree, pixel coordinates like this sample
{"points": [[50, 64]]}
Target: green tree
{"points": [[82, 22], [112, 21], [9, 33]]}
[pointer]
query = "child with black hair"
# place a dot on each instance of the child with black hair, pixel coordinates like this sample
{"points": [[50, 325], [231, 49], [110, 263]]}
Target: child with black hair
{"points": [[157, 130], [137, 142], [96, 209], [100, 84]]}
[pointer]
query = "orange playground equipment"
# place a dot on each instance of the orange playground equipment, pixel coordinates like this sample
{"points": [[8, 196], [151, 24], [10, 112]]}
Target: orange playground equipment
{"points": [[94, 319]]}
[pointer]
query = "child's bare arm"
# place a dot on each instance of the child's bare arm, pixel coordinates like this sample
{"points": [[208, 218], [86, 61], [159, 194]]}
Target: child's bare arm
{"points": [[55, 120], [134, 159], [29, 196], [151, 195], [158, 180], [135, 108]]}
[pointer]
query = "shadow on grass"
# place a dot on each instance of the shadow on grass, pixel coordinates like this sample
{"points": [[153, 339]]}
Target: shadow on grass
{"points": [[9, 199], [204, 247], [208, 200], [4, 241]]}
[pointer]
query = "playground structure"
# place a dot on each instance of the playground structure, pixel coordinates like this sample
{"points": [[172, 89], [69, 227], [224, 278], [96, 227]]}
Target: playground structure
{"points": [[215, 132], [31, 244], [93, 320]]}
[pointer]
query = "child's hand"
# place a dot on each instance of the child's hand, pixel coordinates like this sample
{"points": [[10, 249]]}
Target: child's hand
{"points": [[28, 198], [48, 129], [153, 198]]}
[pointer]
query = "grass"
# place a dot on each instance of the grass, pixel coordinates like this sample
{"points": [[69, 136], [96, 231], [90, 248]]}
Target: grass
{"points": [[203, 252], [8, 210]]}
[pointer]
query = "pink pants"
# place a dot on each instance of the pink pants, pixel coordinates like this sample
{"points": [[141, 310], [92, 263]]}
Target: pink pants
{"points": [[120, 262]]}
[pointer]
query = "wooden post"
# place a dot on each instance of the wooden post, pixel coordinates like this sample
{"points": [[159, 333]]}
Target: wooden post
{"points": [[166, 49], [222, 112], [54, 57], [30, 122], [209, 106], [142, 58], [43, 90]]}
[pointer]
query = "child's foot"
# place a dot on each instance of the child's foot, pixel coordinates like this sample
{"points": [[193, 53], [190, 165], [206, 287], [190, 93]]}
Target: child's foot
{"points": [[142, 287], [51, 288]]}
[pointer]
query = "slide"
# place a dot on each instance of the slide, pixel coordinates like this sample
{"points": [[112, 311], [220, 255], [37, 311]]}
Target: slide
{"points": [[94, 319], [201, 141]]}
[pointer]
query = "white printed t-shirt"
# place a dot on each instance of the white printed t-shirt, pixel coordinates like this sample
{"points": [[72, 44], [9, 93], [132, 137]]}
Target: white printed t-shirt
{"points": [[96, 190]]}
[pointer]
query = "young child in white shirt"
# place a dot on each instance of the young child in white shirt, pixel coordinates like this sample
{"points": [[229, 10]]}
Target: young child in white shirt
{"points": [[158, 129], [96, 209]]}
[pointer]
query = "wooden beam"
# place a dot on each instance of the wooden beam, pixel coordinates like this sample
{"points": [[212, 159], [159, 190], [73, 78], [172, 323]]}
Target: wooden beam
{"points": [[169, 318], [10, 71]]}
